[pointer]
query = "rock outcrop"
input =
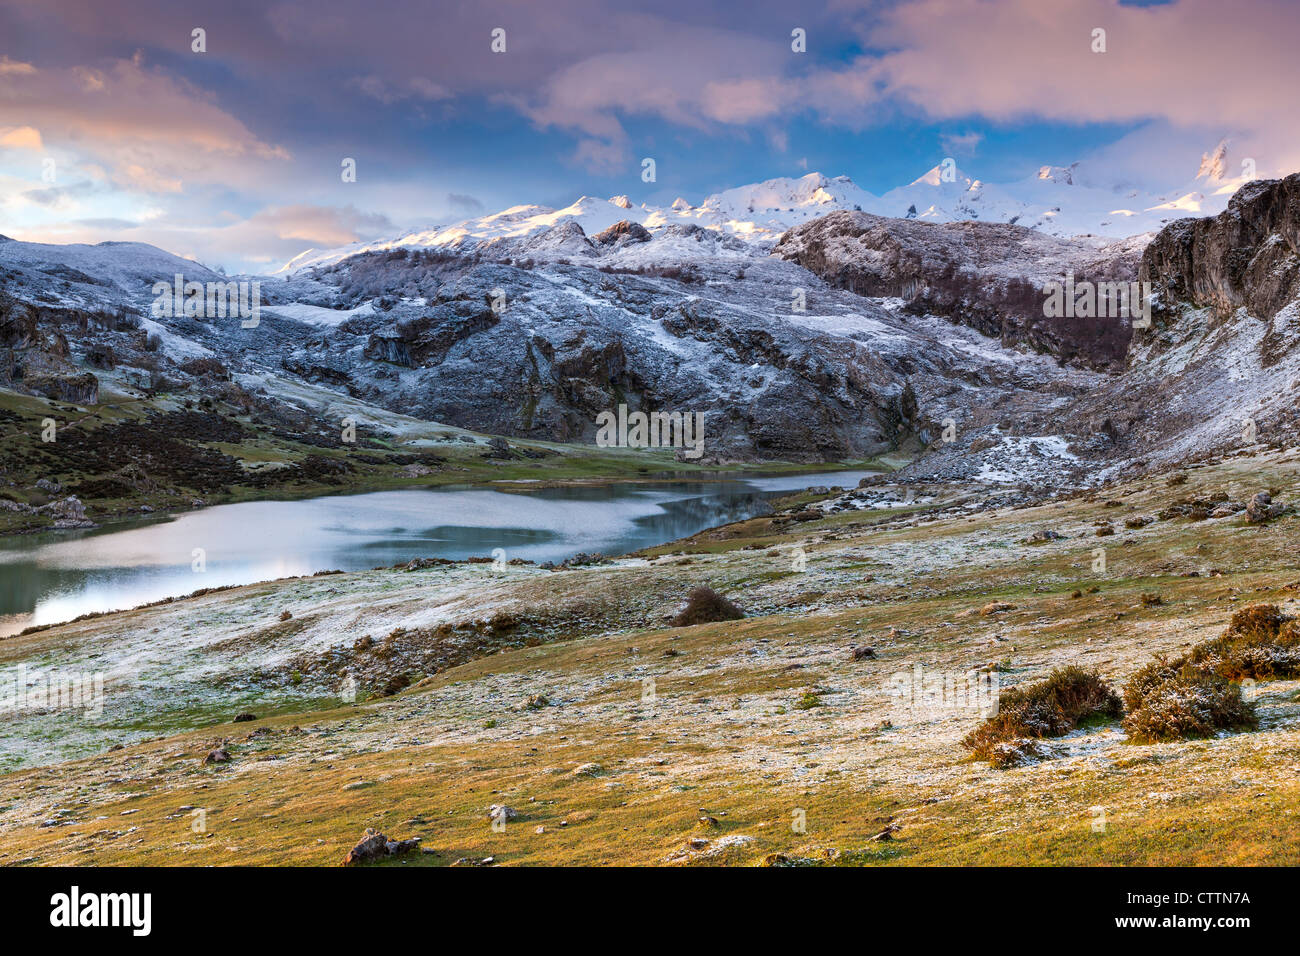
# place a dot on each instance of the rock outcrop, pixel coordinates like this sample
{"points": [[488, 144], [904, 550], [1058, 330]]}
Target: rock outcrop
{"points": [[989, 276], [1218, 368], [1246, 257]]}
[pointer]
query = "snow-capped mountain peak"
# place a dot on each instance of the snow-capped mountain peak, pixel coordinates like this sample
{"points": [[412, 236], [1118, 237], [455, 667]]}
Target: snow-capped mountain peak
{"points": [[1058, 200], [1058, 174], [1214, 164], [946, 173]]}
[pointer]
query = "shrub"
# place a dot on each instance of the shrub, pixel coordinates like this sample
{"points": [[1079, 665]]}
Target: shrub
{"points": [[1047, 708], [1257, 619], [705, 605], [1148, 679], [1261, 642], [1176, 702]]}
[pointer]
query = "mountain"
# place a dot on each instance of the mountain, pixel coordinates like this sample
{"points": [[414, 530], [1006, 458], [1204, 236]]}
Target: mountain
{"points": [[843, 336], [1058, 200], [1217, 372], [986, 275], [92, 274], [757, 212]]}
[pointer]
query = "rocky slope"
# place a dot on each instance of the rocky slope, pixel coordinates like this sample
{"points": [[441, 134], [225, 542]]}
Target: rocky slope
{"points": [[534, 336], [1244, 258], [1219, 368], [989, 276], [860, 335]]}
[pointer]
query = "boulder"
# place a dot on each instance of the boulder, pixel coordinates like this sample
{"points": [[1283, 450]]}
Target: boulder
{"points": [[374, 845]]}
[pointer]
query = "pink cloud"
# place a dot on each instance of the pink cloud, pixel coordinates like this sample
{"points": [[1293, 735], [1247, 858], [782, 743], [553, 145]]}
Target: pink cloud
{"points": [[148, 130]]}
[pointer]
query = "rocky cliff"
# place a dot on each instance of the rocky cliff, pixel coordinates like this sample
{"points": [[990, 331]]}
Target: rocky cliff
{"points": [[988, 276], [1219, 368]]}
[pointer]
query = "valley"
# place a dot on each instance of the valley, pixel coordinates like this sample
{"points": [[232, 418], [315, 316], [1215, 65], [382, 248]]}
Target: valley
{"points": [[1032, 493]]}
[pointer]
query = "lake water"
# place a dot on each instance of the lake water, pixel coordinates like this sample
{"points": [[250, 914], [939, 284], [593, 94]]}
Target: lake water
{"points": [[48, 578]]}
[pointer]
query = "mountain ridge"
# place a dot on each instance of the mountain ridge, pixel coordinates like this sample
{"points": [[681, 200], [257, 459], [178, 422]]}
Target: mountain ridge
{"points": [[1061, 201]]}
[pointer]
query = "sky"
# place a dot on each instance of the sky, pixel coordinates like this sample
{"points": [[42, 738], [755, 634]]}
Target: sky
{"points": [[113, 126]]}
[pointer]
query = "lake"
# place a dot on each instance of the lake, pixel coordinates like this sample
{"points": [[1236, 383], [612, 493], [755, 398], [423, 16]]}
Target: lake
{"points": [[54, 577]]}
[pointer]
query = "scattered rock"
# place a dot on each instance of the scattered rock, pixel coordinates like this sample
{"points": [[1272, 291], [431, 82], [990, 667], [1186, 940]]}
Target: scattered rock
{"points": [[374, 845], [887, 833], [1262, 509], [996, 607], [67, 513]]}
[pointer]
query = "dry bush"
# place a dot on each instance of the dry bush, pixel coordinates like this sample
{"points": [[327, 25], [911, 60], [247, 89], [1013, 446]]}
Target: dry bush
{"points": [[1261, 642], [705, 605], [1179, 701], [1047, 708]]}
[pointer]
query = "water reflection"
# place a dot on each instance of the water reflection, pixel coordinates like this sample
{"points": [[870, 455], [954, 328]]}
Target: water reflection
{"points": [[49, 578]]}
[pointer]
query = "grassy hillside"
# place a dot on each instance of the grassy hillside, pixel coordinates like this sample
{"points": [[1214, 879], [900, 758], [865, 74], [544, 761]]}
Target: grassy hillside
{"points": [[758, 740]]}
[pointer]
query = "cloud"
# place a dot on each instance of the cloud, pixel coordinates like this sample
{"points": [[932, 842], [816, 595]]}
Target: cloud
{"points": [[204, 143], [693, 78], [602, 156], [58, 197], [20, 137], [386, 92], [1191, 64], [269, 236], [960, 144], [148, 130], [461, 203], [319, 225], [10, 67], [1195, 63]]}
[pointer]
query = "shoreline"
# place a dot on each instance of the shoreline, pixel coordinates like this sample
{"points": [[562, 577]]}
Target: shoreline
{"points": [[115, 519], [131, 523]]}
